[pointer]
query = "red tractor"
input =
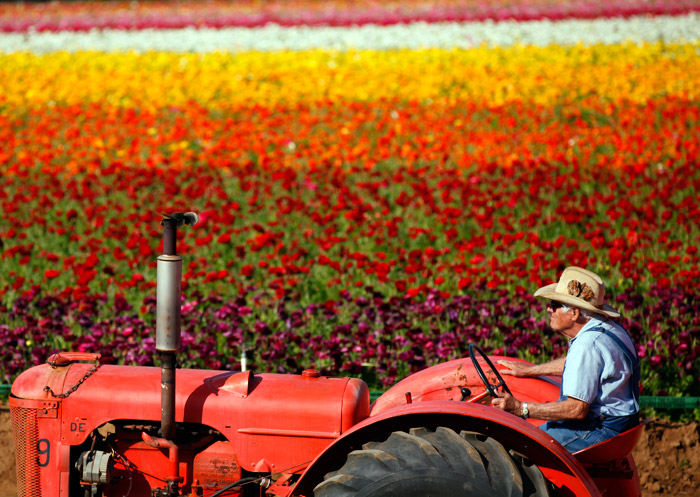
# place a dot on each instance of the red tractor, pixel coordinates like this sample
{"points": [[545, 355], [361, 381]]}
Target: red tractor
{"points": [[86, 429]]}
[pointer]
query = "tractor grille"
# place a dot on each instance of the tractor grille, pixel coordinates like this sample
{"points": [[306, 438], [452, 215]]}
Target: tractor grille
{"points": [[26, 436]]}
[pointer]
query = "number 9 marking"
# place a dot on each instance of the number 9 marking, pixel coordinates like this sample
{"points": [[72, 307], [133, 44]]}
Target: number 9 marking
{"points": [[43, 447]]}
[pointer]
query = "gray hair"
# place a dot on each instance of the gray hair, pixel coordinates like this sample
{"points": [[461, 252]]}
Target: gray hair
{"points": [[585, 313]]}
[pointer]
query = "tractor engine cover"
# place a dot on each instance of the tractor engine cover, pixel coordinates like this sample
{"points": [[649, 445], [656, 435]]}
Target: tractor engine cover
{"points": [[266, 423]]}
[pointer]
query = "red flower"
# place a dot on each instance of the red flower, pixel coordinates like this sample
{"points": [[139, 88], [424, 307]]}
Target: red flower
{"points": [[412, 292], [85, 276], [51, 274], [91, 261], [614, 256], [17, 283]]}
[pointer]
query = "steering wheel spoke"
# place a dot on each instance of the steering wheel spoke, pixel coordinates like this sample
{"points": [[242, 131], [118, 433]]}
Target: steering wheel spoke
{"points": [[492, 388]]}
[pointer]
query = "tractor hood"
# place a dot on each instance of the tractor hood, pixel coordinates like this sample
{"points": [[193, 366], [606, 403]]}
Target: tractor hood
{"points": [[273, 421]]}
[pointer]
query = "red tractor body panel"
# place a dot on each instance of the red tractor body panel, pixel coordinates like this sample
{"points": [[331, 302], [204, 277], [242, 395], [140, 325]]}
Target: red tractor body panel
{"points": [[272, 421], [260, 424], [444, 382]]}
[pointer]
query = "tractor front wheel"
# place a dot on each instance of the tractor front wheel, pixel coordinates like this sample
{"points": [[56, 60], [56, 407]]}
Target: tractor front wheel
{"points": [[440, 463]]}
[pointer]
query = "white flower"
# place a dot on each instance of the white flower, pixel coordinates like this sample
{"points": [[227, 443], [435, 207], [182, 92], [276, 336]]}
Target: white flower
{"points": [[640, 29]]}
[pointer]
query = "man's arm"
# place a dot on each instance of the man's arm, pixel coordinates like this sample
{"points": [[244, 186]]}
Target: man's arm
{"points": [[569, 409], [523, 370]]}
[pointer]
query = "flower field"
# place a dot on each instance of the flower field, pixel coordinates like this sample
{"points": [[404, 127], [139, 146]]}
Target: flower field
{"points": [[378, 186]]}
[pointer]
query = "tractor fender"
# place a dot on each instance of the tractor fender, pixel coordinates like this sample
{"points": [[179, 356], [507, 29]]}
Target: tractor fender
{"points": [[557, 464], [445, 382]]}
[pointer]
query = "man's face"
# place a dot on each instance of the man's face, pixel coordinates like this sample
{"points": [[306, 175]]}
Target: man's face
{"points": [[561, 319]]}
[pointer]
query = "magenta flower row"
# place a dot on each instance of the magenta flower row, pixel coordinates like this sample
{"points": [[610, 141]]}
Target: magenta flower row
{"points": [[85, 16]]}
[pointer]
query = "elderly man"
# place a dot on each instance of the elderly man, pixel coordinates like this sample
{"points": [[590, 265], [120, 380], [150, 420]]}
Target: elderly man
{"points": [[600, 374]]}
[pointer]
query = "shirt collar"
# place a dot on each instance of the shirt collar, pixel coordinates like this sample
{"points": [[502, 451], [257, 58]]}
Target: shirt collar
{"points": [[592, 323]]}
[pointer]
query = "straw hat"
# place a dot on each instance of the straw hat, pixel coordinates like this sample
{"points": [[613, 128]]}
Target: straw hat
{"points": [[578, 287]]}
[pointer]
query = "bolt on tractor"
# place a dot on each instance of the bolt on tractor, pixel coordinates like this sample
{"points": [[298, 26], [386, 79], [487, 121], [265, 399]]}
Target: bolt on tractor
{"points": [[83, 428]]}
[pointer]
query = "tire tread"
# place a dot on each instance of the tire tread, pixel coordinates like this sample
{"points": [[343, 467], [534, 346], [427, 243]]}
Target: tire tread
{"points": [[484, 464]]}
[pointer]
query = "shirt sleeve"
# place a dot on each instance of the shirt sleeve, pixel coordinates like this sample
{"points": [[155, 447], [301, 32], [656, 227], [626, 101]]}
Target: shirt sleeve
{"points": [[583, 370]]}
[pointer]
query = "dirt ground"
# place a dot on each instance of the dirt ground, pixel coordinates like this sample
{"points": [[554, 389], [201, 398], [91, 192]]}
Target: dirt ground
{"points": [[668, 458], [8, 479]]}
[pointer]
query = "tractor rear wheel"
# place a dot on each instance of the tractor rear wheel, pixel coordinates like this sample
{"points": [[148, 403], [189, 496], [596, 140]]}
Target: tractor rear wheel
{"points": [[440, 463]]}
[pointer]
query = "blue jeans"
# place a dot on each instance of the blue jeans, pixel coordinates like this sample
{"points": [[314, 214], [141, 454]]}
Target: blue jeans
{"points": [[577, 435]]}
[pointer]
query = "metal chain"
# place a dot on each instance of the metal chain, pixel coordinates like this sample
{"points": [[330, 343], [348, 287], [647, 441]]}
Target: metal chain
{"points": [[74, 387]]}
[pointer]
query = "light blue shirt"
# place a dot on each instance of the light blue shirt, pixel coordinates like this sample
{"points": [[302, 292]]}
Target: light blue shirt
{"points": [[597, 372]]}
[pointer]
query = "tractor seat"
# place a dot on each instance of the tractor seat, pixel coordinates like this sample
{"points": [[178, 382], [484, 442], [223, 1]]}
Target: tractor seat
{"points": [[617, 447]]}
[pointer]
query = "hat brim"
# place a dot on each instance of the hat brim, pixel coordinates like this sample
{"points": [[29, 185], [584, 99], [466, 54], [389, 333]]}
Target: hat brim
{"points": [[549, 292]]}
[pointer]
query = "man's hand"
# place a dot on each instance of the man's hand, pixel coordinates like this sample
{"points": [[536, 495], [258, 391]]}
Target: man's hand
{"points": [[508, 403], [516, 368]]}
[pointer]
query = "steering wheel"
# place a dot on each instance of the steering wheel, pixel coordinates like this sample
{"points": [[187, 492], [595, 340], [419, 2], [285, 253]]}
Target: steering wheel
{"points": [[491, 388]]}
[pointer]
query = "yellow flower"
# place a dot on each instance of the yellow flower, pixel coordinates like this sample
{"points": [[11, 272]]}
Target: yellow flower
{"points": [[487, 76]]}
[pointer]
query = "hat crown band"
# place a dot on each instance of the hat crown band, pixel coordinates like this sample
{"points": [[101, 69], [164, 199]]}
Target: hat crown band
{"points": [[580, 287]]}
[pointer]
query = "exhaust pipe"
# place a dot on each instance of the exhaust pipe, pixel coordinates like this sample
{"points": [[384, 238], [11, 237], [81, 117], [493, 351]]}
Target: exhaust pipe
{"points": [[168, 295]]}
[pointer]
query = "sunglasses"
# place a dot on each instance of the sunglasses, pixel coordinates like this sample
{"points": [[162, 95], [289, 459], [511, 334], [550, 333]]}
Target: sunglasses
{"points": [[554, 305]]}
